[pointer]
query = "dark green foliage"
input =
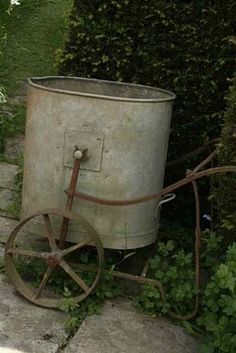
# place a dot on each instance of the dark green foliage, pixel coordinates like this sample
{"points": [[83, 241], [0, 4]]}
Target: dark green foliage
{"points": [[177, 45], [225, 195]]}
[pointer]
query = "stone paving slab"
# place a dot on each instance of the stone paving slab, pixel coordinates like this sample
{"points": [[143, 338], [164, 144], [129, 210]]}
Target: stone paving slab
{"points": [[28, 328], [6, 227], [14, 147], [123, 329], [6, 199], [7, 175]]}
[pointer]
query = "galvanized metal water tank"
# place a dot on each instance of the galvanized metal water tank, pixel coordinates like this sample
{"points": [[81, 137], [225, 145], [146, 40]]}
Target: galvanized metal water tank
{"points": [[125, 128]]}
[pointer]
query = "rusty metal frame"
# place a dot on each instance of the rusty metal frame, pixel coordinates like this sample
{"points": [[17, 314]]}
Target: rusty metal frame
{"points": [[191, 177]]}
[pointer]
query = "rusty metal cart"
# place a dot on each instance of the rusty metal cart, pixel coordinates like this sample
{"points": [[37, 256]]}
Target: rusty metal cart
{"points": [[122, 132], [56, 255]]}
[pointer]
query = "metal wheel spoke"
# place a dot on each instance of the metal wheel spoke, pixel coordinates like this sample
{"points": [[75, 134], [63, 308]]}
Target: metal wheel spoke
{"points": [[30, 253], [75, 247], [49, 231], [74, 276], [43, 283]]}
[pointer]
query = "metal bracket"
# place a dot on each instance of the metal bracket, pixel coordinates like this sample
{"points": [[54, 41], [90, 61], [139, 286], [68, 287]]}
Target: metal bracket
{"points": [[84, 140]]}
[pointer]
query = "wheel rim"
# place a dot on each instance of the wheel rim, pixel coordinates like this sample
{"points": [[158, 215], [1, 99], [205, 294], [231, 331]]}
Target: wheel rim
{"points": [[54, 259]]}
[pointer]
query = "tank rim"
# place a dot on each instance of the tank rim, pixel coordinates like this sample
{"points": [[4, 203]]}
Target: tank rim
{"points": [[35, 82]]}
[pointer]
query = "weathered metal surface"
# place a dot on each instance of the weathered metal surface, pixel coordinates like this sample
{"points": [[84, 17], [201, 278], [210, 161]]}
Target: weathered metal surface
{"points": [[54, 258], [128, 161]]}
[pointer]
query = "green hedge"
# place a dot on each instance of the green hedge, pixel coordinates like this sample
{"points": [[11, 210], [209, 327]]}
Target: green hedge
{"points": [[177, 45], [225, 195]]}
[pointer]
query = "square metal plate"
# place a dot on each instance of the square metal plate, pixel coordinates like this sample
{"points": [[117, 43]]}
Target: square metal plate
{"points": [[92, 141]]}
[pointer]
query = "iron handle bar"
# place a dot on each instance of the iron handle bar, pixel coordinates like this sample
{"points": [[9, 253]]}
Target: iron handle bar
{"points": [[73, 182], [188, 179], [190, 176]]}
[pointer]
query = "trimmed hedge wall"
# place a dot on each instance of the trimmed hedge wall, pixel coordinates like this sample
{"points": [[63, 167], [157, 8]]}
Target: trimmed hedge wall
{"points": [[177, 45]]}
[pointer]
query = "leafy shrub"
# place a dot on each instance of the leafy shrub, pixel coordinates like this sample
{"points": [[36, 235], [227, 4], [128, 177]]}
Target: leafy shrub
{"points": [[173, 268], [177, 45], [219, 307], [217, 312]]}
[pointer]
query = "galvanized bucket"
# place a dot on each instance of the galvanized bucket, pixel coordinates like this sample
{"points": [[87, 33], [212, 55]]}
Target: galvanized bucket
{"points": [[125, 128]]}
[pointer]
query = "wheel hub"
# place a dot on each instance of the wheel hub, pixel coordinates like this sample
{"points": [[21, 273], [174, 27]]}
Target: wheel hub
{"points": [[54, 260]]}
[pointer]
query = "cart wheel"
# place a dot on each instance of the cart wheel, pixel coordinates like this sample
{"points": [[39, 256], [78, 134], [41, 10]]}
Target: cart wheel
{"points": [[43, 277]]}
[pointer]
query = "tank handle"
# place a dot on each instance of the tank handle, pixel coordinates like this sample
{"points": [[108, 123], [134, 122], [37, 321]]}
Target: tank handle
{"points": [[79, 153], [166, 198]]}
